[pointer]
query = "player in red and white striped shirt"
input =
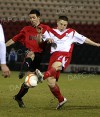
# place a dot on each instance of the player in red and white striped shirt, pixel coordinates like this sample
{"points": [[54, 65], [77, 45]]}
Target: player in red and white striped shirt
{"points": [[63, 39]]}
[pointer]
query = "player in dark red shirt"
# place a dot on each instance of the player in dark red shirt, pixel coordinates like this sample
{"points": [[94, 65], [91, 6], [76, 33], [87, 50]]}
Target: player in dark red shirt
{"points": [[29, 37]]}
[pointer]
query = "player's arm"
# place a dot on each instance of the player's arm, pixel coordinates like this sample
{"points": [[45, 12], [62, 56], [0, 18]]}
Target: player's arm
{"points": [[82, 39], [39, 38], [43, 36], [2, 53], [2, 47], [10, 42], [39, 35], [17, 38], [4, 67], [90, 42], [47, 37]]}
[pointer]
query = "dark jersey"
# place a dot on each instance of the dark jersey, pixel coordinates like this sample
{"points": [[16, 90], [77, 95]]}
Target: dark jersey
{"points": [[28, 37]]}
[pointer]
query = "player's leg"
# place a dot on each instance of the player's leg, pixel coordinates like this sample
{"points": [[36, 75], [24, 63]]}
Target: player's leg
{"points": [[54, 88], [56, 66], [24, 88], [57, 61], [50, 72], [18, 97], [26, 64], [52, 75]]}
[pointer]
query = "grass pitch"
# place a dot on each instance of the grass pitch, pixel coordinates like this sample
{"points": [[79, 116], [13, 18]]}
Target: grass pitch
{"points": [[82, 92]]}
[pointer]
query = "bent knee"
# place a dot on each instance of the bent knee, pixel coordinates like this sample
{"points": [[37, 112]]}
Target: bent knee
{"points": [[51, 82], [31, 55]]}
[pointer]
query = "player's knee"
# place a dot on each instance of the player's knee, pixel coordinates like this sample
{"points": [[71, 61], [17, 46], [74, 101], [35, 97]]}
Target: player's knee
{"points": [[31, 55], [29, 60], [27, 64], [51, 82], [51, 85]]}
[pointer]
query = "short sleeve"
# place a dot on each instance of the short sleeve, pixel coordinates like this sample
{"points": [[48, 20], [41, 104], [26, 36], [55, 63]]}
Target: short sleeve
{"points": [[78, 38], [2, 39]]}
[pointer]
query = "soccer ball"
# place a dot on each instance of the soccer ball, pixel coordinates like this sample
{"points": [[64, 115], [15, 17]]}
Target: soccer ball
{"points": [[31, 80]]}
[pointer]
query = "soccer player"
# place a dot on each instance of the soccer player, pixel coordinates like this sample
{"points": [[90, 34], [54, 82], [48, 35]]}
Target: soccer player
{"points": [[30, 37], [4, 67], [60, 55]]}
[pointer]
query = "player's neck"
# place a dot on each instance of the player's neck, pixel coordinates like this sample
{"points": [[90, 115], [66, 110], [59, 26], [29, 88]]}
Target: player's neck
{"points": [[60, 30]]}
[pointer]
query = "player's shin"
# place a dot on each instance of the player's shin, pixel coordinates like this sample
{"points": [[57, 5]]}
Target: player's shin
{"points": [[56, 92], [23, 91]]}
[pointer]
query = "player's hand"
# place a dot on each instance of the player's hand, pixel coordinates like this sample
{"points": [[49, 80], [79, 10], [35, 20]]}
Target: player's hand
{"points": [[39, 30], [5, 70], [53, 44], [49, 40]]}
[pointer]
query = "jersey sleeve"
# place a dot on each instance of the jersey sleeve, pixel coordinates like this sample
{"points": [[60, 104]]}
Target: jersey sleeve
{"points": [[2, 46], [46, 35], [78, 38], [2, 53], [2, 38], [45, 32], [19, 37]]}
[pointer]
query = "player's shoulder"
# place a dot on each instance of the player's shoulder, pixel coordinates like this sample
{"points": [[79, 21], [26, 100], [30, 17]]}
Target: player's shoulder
{"points": [[28, 28], [70, 31]]}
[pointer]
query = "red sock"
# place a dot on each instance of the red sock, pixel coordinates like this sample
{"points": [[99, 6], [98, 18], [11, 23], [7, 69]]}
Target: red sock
{"points": [[56, 92], [49, 73]]}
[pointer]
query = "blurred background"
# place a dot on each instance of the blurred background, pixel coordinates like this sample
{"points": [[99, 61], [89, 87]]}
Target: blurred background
{"points": [[84, 17]]}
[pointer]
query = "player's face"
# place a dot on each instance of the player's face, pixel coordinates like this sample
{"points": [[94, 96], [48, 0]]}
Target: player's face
{"points": [[62, 25], [34, 19]]}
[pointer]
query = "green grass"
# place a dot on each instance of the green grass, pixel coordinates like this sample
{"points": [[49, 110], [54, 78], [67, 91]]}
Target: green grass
{"points": [[82, 92]]}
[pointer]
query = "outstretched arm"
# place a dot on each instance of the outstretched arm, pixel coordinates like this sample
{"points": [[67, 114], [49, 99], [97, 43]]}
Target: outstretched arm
{"points": [[10, 42], [90, 42]]}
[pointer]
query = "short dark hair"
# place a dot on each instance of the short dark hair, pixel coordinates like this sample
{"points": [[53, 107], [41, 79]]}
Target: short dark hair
{"points": [[65, 18], [35, 11]]}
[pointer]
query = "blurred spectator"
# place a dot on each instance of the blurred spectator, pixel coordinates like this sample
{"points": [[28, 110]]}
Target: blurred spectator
{"points": [[12, 58]]}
